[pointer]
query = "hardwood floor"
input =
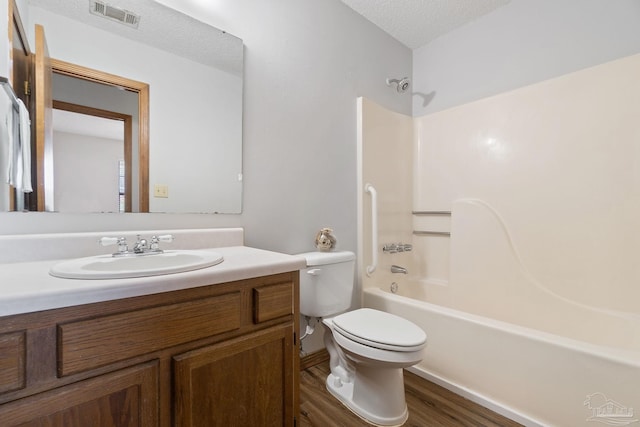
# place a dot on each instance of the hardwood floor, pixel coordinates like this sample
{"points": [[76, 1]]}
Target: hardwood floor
{"points": [[429, 405]]}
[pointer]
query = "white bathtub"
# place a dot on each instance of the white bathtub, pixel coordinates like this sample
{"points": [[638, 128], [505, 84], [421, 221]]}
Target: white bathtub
{"points": [[536, 376]]}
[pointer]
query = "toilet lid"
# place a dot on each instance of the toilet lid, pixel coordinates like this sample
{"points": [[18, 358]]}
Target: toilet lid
{"points": [[381, 330]]}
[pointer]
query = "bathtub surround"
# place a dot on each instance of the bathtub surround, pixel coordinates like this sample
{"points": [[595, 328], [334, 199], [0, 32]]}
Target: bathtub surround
{"points": [[385, 156], [537, 276], [558, 162]]}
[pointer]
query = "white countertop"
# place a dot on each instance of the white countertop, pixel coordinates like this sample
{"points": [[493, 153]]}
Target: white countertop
{"points": [[27, 286]]}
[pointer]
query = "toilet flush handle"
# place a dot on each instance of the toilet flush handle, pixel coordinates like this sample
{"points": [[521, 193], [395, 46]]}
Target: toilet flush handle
{"points": [[314, 271]]}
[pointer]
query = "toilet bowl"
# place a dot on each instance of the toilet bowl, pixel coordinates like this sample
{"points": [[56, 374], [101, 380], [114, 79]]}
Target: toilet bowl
{"points": [[368, 349]]}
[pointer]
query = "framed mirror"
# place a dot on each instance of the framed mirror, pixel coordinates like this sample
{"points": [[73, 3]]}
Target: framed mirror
{"points": [[195, 77]]}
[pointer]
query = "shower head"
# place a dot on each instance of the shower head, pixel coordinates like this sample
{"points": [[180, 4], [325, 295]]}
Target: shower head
{"points": [[402, 84]]}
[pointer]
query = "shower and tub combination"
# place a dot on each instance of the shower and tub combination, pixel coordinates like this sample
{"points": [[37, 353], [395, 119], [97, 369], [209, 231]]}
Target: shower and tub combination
{"points": [[523, 270], [499, 338]]}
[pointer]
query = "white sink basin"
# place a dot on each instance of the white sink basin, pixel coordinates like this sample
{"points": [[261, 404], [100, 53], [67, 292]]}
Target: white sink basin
{"points": [[109, 267]]}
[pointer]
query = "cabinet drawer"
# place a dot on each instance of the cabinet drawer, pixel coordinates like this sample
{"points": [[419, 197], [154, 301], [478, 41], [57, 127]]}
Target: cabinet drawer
{"points": [[272, 301], [95, 342], [12, 361]]}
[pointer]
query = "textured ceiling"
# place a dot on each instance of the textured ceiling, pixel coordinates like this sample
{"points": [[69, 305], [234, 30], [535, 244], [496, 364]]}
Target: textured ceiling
{"points": [[161, 27], [412, 22], [417, 22]]}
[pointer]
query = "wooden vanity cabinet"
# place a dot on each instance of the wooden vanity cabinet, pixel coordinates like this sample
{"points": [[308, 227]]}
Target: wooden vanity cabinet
{"points": [[215, 377], [218, 355]]}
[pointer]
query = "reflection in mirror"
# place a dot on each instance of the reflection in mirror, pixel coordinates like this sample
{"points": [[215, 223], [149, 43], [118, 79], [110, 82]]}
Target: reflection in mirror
{"points": [[195, 93], [101, 113], [86, 145]]}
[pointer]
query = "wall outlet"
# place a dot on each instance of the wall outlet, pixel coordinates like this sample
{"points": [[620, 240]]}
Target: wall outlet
{"points": [[161, 191]]}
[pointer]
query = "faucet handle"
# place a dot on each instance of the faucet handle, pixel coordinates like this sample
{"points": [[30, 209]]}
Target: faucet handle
{"points": [[120, 241], [108, 241], [166, 238], [393, 248], [390, 248], [155, 241]]}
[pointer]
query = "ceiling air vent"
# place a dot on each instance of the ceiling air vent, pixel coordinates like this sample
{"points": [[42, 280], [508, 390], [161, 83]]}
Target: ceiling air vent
{"points": [[100, 8]]}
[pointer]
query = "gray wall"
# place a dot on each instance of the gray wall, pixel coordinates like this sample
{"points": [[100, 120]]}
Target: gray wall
{"points": [[306, 62], [522, 43]]}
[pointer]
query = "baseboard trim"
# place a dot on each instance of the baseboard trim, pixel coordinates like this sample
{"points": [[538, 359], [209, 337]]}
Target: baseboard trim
{"points": [[314, 359]]}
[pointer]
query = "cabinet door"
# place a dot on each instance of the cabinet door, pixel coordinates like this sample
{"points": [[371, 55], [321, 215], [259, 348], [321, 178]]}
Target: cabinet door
{"points": [[247, 381], [127, 398]]}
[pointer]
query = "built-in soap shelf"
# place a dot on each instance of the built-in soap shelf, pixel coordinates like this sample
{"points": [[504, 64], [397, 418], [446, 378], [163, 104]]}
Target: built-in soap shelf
{"points": [[432, 223], [445, 213]]}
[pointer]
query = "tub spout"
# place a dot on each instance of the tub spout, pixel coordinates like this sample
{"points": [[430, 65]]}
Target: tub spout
{"points": [[398, 269]]}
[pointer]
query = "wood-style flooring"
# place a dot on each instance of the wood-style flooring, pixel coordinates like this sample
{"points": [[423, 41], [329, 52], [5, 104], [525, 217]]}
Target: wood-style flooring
{"points": [[429, 405]]}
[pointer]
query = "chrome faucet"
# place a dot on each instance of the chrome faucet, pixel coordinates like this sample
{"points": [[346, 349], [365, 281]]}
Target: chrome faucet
{"points": [[398, 269], [141, 247]]}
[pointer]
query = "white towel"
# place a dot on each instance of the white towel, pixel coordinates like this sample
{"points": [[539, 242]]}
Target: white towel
{"points": [[25, 147], [19, 167], [6, 133]]}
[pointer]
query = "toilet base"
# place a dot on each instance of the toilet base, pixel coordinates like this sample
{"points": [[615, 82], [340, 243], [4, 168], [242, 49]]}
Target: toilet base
{"points": [[377, 399]]}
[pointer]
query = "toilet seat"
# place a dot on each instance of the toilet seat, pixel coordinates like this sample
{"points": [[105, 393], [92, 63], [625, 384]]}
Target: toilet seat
{"points": [[380, 330]]}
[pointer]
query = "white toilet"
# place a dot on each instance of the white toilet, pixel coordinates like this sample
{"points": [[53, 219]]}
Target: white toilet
{"points": [[368, 348]]}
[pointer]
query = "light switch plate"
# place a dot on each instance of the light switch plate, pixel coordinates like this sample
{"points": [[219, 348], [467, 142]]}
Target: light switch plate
{"points": [[161, 191]]}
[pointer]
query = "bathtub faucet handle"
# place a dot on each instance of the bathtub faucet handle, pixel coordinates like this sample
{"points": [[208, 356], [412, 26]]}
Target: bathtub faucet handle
{"points": [[393, 248], [390, 248]]}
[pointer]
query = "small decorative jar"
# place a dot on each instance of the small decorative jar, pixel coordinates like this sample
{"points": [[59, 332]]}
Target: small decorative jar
{"points": [[325, 240]]}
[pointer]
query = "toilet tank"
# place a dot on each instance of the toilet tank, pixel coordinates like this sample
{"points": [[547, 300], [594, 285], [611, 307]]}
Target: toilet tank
{"points": [[326, 285]]}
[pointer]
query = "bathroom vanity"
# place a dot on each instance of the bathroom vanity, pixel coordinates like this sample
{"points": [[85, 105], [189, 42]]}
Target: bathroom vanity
{"points": [[210, 347]]}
